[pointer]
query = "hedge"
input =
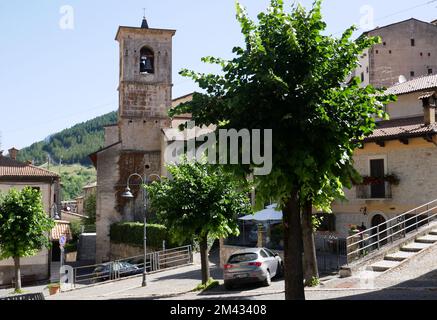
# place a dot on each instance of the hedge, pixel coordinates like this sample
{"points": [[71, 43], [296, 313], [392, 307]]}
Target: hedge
{"points": [[132, 233]]}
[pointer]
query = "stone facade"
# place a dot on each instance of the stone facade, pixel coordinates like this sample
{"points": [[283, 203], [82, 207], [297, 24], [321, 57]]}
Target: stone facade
{"points": [[135, 144], [407, 48], [416, 166]]}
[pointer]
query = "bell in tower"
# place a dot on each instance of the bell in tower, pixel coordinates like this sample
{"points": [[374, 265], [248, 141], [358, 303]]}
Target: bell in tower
{"points": [[147, 61]]}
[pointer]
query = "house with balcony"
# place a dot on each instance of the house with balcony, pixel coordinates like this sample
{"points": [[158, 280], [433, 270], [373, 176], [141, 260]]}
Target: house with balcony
{"points": [[398, 162]]}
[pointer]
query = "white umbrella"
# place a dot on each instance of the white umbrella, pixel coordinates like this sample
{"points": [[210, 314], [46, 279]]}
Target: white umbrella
{"points": [[268, 214]]}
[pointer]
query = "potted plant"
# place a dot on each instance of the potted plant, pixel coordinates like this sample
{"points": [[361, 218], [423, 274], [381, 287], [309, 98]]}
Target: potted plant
{"points": [[54, 288], [353, 229]]}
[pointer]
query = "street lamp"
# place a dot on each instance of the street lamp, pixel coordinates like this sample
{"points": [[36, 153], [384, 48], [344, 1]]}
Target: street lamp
{"points": [[55, 212], [128, 195]]}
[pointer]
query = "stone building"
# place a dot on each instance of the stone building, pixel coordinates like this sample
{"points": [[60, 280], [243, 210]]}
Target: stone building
{"points": [[16, 174], [408, 49], [136, 143], [401, 154]]}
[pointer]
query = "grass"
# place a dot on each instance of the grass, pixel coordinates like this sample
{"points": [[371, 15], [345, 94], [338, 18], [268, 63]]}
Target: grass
{"points": [[207, 286], [18, 292]]}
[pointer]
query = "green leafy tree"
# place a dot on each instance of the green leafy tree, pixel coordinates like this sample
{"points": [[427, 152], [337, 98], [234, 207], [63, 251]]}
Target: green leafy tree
{"points": [[200, 201], [24, 227], [290, 77], [90, 210]]}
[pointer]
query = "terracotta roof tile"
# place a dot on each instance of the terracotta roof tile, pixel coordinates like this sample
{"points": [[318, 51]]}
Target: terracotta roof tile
{"points": [[418, 84], [13, 168], [402, 128]]}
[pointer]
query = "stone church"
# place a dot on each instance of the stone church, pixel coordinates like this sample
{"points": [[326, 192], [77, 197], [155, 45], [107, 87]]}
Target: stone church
{"points": [[136, 143]]}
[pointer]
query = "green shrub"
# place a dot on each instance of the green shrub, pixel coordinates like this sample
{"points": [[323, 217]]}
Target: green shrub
{"points": [[71, 247], [132, 233]]}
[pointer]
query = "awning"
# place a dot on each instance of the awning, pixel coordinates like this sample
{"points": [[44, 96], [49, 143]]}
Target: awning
{"points": [[268, 214], [62, 228]]}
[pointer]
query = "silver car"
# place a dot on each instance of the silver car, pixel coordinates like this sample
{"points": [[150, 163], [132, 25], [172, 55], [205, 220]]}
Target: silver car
{"points": [[252, 265]]}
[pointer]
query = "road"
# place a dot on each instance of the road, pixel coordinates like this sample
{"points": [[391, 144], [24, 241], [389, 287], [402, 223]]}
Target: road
{"points": [[416, 280]]}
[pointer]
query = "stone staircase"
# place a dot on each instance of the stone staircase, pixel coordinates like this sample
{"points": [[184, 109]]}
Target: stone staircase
{"points": [[407, 251]]}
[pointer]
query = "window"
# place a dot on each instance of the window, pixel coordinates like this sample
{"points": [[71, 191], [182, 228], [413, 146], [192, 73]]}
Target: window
{"points": [[413, 42], [429, 71], [429, 54], [377, 51], [327, 222], [421, 54], [362, 76], [263, 254], [384, 43], [367, 69], [389, 51], [269, 252], [147, 61], [377, 170], [242, 257], [412, 73]]}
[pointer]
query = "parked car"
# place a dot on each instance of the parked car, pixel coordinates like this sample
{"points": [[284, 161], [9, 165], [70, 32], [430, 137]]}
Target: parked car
{"points": [[252, 266], [117, 269]]}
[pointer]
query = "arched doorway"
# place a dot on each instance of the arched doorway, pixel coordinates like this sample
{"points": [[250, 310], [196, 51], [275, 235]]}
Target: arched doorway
{"points": [[379, 220]]}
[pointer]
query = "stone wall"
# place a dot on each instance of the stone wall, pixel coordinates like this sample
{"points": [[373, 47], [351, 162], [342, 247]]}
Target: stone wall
{"points": [[32, 268], [416, 168], [86, 250], [397, 57]]}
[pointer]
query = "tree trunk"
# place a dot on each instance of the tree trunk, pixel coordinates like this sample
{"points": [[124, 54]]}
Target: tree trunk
{"points": [[17, 274], [204, 259], [293, 266], [309, 247]]}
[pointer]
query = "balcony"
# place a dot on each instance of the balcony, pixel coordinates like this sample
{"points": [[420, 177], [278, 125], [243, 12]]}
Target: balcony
{"points": [[374, 191]]}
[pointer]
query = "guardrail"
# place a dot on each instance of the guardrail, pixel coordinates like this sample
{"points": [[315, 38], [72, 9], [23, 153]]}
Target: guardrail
{"points": [[155, 261], [363, 243]]}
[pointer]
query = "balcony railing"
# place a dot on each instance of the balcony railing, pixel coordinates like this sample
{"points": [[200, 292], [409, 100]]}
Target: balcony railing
{"points": [[374, 191]]}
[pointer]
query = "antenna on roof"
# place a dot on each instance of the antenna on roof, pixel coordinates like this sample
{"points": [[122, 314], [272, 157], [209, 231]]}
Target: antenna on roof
{"points": [[402, 79]]}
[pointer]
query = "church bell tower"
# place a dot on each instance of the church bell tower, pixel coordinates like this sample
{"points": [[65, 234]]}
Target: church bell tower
{"points": [[145, 89]]}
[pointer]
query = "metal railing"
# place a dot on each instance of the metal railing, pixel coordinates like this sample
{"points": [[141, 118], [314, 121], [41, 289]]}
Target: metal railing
{"points": [[363, 243], [114, 270], [369, 192]]}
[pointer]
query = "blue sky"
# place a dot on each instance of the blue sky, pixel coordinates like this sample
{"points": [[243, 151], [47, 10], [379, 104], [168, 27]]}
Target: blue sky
{"points": [[52, 78]]}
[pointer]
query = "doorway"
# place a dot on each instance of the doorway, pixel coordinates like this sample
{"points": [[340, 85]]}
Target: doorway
{"points": [[379, 220]]}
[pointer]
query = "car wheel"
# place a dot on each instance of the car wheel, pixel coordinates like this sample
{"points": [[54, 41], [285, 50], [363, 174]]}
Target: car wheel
{"points": [[268, 281], [228, 286]]}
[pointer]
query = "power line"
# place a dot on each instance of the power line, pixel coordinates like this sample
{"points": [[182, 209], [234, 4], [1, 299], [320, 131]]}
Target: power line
{"points": [[399, 12]]}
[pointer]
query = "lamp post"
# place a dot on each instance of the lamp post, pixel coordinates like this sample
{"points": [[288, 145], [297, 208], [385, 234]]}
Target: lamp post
{"points": [[128, 195]]}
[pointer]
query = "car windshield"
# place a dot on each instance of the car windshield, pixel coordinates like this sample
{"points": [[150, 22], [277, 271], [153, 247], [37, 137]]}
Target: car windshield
{"points": [[243, 257]]}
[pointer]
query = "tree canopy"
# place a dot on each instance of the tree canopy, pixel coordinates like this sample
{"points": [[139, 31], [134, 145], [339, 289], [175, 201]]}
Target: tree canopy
{"points": [[293, 78], [24, 225], [200, 201]]}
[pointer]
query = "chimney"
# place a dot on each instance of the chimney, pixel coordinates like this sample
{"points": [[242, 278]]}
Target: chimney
{"points": [[429, 105], [13, 153]]}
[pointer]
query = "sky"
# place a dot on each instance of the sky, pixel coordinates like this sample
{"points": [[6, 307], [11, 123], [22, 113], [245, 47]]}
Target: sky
{"points": [[59, 60]]}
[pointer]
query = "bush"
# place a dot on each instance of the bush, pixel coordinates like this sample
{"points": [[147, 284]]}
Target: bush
{"points": [[132, 233], [71, 247]]}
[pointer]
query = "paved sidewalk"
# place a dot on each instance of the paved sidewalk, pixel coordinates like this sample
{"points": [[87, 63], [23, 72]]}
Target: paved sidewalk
{"points": [[163, 284]]}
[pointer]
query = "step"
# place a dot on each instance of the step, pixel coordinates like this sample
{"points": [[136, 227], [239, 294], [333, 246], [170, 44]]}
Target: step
{"points": [[427, 239], [383, 265], [399, 256], [433, 232], [415, 247]]}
